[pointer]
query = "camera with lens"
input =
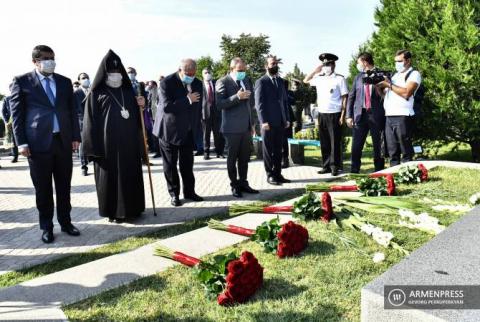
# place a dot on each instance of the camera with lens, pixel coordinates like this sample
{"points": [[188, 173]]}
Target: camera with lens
{"points": [[375, 76]]}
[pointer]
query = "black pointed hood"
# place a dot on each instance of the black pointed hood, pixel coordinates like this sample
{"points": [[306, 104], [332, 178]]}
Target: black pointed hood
{"points": [[110, 60]]}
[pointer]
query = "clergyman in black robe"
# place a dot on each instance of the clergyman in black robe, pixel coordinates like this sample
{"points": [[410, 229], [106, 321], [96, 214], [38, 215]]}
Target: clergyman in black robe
{"points": [[112, 140]]}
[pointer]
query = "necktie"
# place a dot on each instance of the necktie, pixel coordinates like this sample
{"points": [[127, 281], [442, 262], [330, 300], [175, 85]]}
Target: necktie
{"points": [[210, 93], [51, 98], [239, 84], [275, 81], [49, 92], [368, 103]]}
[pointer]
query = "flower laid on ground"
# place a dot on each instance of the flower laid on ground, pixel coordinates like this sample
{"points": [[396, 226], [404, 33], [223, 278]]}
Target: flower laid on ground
{"points": [[379, 205], [474, 199], [406, 174], [309, 206], [443, 205], [231, 279], [284, 240], [423, 222], [378, 257], [379, 186], [357, 222]]}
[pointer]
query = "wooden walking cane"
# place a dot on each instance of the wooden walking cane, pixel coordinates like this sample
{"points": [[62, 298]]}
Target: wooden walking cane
{"points": [[146, 153]]}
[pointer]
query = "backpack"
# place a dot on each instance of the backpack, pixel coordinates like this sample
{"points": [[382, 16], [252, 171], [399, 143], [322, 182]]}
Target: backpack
{"points": [[418, 97]]}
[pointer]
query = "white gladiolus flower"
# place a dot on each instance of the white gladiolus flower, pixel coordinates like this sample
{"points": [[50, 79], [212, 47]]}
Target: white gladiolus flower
{"points": [[452, 208], [382, 238], [378, 257], [423, 222], [475, 198], [368, 228]]}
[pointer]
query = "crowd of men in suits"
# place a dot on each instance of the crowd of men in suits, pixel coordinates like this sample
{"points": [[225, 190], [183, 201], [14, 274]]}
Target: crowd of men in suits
{"points": [[48, 114]]}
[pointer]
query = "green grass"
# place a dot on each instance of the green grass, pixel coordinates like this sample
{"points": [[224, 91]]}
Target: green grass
{"points": [[323, 284], [123, 245]]}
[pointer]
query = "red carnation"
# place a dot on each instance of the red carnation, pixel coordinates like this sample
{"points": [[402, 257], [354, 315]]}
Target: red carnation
{"points": [[224, 299], [327, 207], [424, 172], [390, 185], [235, 267]]}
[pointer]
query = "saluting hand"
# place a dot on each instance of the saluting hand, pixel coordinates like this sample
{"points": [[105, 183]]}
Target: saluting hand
{"points": [[194, 97], [243, 95]]}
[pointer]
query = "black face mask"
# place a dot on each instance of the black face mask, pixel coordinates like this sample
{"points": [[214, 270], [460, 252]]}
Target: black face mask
{"points": [[273, 70]]}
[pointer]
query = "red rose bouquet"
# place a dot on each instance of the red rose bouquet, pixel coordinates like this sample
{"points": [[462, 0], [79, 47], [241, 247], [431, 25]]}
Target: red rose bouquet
{"points": [[229, 278], [285, 240], [378, 186], [309, 206]]}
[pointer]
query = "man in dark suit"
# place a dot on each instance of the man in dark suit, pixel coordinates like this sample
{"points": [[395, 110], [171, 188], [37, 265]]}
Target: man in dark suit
{"points": [[211, 118], [235, 100], [176, 125], [273, 115], [365, 113], [45, 124], [80, 93]]}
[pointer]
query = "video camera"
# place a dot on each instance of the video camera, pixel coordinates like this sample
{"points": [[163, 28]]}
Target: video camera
{"points": [[375, 76]]}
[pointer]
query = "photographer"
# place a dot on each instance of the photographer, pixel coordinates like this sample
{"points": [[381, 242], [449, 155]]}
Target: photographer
{"points": [[365, 113], [399, 92]]}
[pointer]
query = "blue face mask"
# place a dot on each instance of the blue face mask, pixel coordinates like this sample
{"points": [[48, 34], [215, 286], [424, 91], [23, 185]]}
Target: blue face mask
{"points": [[187, 79], [241, 75], [399, 66]]}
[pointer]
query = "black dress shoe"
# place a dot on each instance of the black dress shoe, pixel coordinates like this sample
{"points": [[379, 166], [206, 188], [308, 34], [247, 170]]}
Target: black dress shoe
{"points": [[175, 202], [157, 155], [47, 236], [335, 172], [199, 153], [282, 179], [274, 181], [194, 197], [220, 156], [206, 157], [237, 193], [249, 189], [85, 172], [15, 160], [71, 230], [324, 170]]}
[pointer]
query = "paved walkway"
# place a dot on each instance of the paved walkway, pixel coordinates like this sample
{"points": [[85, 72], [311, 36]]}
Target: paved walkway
{"points": [[20, 244]]}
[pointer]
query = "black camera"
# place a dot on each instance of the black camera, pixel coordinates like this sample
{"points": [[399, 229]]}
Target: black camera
{"points": [[375, 76]]}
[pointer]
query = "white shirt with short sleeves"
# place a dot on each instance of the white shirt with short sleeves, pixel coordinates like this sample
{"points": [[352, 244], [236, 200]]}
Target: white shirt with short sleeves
{"points": [[396, 105], [330, 90]]}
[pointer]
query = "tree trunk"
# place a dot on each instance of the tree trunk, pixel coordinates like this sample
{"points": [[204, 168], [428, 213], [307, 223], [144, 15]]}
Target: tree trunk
{"points": [[475, 145]]}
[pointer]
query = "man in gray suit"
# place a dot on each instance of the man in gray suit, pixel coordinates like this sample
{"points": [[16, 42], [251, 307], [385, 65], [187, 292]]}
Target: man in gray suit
{"points": [[235, 100]]}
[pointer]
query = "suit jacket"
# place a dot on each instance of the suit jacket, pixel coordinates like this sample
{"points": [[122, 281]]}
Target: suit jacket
{"points": [[33, 113], [6, 109], [271, 101], [208, 110], [175, 115], [356, 98], [236, 113], [79, 95]]}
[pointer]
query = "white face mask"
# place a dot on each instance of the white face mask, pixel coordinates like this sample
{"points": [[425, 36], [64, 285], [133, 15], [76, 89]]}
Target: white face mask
{"points": [[360, 68], [399, 66], [208, 77], [114, 80], [327, 70], [85, 82], [47, 66]]}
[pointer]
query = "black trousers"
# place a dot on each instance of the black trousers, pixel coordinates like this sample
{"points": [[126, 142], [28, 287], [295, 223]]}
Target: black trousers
{"points": [[184, 155], [272, 143], [213, 125], [368, 123], [238, 155], [56, 163], [81, 155], [398, 132], [14, 149], [287, 134], [330, 133]]}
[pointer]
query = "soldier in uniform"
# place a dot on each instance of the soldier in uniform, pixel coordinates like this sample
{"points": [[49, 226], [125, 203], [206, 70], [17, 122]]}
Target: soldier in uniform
{"points": [[331, 101]]}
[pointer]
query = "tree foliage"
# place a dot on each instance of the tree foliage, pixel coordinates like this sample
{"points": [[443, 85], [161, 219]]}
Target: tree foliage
{"points": [[252, 49], [444, 38]]}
